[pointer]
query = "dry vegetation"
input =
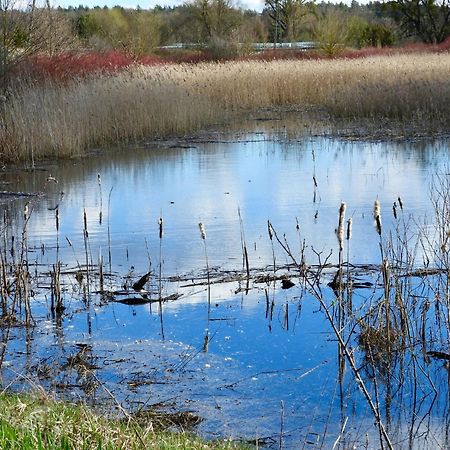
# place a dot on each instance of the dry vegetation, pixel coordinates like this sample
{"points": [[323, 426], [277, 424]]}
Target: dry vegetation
{"points": [[61, 119]]}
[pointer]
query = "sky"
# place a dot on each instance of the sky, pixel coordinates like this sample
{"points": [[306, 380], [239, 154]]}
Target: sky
{"points": [[256, 5]]}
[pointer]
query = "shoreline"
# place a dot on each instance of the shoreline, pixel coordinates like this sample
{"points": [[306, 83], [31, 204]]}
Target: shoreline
{"points": [[385, 94]]}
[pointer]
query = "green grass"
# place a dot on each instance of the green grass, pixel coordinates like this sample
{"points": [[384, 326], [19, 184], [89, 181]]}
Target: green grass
{"points": [[34, 422]]}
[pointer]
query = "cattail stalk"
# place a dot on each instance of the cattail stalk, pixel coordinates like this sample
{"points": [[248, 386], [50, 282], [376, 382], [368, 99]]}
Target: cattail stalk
{"points": [[385, 272], [161, 234], [202, 230], [86, 253], [348, 238], [109, 231], [201, 227], [269, 230], [100, 271], [57, 233], [100, 214], [245, 262]]}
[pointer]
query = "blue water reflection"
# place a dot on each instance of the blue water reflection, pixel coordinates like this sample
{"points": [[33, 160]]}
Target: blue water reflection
{"points": [[255, 360]]}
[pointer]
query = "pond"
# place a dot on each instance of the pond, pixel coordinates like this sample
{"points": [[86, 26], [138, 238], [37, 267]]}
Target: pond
{"points": [[251, 359]]}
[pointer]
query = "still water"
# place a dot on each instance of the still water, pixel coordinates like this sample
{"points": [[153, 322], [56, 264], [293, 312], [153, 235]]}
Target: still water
{"points": [[269, 369]]}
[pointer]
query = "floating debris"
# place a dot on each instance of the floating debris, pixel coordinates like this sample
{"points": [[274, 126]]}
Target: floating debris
{"points": [[286, 283], [139, 285]]}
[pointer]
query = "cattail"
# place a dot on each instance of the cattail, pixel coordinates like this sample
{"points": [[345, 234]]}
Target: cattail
{"points": [[86, 234], [269, 229], [57, 219], [400, 203], [161, 231], [202, 230], [99, 179], [342, 209], [26, 211], [377, 216], [376, 209], [394, 210], [349, 228], [340, 228]]}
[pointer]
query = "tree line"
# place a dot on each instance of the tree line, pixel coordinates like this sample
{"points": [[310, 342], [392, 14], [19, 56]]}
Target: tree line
{"points": [[218, 24]]}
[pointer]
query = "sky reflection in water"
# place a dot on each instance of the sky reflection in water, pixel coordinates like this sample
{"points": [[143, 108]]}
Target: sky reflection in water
{"points": [[253, 363]]}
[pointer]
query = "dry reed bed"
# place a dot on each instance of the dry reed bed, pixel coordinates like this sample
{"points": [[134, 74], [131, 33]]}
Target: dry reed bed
{"points": [[66, 119]]}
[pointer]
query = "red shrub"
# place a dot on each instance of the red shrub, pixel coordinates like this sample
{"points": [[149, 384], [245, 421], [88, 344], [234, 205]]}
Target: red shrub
{"points": [[68, 65], [150, 60], [444, 46]]}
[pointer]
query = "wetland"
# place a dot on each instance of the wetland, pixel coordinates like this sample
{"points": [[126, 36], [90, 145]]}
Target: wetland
{"points": [[274, 323]]}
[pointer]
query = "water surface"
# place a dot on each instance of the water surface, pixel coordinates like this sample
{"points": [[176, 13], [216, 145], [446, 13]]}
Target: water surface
{"points": [[263, 374]]}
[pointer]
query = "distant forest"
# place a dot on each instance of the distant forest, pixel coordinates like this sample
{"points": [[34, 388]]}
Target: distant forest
{"points": [[220, 26]]}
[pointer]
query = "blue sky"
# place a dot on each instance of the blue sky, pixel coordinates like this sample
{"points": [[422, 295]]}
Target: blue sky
{"points": [[252, 4]]}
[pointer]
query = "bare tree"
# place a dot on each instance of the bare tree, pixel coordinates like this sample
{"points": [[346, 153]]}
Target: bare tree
{"points": [[27, 29], [427, 19], [286, 17]]}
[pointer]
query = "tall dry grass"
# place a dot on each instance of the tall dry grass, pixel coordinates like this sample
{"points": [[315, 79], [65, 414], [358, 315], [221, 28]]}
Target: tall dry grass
{"points": [[52, 119]]}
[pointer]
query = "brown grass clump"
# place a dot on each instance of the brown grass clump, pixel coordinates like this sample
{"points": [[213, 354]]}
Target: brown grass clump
{"points": [[378, 340], [51, 119]]}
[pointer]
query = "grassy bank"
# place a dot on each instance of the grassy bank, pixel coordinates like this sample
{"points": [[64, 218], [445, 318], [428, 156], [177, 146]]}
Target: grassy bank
{"points": [[63, 119], [33, 422]]}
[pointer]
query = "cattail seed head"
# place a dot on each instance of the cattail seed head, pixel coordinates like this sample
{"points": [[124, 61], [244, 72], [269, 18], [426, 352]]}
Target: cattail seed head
{"points": [[340, 228], [377, 216], [26, 210], [202, 230], [394, 210], [342, 209], [349, 228], [376, 209], [86, 234], [400, 203], [269, 229], [161, 230]]}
